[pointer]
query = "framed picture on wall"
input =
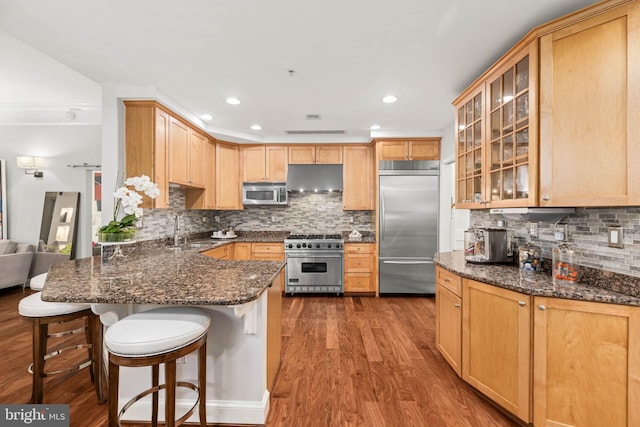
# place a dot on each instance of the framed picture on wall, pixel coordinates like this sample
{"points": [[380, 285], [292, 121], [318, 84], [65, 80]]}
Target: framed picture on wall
{"points": [[3, 201]]}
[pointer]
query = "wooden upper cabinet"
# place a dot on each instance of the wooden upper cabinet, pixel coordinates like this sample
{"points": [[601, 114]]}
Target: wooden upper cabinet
{"points": [[146, 145], [186, 155], [590, 111], [358, 180], [315, 154], [414, 149], [228, 184], [210, 176], [265, 163]]}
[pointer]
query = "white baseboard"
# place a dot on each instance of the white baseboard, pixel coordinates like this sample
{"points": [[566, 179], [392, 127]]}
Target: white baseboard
{"points": [[218, 411]]}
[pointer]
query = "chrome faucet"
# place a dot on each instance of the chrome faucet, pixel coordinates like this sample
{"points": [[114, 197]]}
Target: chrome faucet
{"points": [[176, 230]]}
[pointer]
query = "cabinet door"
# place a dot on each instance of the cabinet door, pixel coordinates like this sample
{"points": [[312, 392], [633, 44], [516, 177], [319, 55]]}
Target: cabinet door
{"points": [[329, 154], [178, 152], [276, 164], [357, 178], [253, 164], [228, 190], [267, 251], [160, 160], [470, 191], [587, 364], [302, 155], [210, 176], [511, 132], [449, 327], [358, 282], [590, 111], [393, 150], [424, 150], [218, 253], [197, 159], [496, 345], [242, 251]]}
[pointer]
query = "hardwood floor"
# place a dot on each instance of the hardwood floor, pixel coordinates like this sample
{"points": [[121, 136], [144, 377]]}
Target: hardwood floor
{"points": [[345, 362]]}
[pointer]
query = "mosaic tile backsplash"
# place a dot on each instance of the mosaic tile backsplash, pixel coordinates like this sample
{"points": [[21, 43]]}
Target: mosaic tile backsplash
{"points": [[587, 234], [306, 213]]}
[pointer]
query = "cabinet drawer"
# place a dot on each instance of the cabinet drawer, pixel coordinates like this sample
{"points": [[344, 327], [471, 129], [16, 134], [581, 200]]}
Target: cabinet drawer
{"points": [[262, 256], [272, 248], [356, 263], [358, 282], [358, 248], [449, 280]]}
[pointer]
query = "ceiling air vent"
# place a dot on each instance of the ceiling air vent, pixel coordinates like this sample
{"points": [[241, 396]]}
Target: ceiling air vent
{"points": [[315, 132], [312, 116]]}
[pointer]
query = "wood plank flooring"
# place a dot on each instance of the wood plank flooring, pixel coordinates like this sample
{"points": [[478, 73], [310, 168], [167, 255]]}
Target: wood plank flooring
{"points": [[345, 362]]}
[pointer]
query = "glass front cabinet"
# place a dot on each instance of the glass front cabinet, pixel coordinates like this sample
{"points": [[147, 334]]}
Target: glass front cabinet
{"points": [[496, 142]]}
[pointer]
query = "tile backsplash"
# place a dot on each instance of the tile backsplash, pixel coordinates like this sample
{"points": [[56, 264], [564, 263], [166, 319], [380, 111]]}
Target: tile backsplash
{"points": [[306, 213], [587, 234]]}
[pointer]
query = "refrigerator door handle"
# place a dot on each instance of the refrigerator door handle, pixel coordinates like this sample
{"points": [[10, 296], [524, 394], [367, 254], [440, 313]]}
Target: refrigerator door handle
{"points": [[407, 262], [382, 215]]}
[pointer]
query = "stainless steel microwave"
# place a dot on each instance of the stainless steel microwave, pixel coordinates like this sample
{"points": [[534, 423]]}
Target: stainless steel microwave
{"points": [[264, 193]]}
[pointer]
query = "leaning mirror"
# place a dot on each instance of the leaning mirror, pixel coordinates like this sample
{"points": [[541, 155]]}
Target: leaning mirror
{"points": [[58, 229]]}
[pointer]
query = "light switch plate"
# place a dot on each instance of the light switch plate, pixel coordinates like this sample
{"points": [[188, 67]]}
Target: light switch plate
{"points": [[615, 237]]}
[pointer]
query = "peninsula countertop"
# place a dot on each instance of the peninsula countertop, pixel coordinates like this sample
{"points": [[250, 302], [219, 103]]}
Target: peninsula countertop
{"points": [[598, 287], [160, 276]]}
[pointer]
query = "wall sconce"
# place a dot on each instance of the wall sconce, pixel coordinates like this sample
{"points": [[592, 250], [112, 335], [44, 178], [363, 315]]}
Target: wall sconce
{"points": [[31, 165]]}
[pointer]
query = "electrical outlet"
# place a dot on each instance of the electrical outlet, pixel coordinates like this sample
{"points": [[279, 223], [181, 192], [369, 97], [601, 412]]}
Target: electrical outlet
{"points": [[204, 219], [351, 219], [614, 239], [216, 218], [561, 232], [273, 218], [533, 229]]}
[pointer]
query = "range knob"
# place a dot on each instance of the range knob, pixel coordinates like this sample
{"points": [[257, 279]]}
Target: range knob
{"points": [[298, 246], [290, 245], [338, 245], [329, 246], [318, 245], [304, 245]]}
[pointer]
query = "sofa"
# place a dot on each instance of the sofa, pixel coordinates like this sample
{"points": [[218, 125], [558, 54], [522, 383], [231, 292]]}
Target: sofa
{"points": [[43, 258], [15, 263]]}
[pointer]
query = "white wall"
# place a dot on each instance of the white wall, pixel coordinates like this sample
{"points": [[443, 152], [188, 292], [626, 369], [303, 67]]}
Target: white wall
{"points": [[59, 145]]}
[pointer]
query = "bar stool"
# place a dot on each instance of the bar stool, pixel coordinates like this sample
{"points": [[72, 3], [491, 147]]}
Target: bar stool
{"points": [[153, 337], [42, 314]]}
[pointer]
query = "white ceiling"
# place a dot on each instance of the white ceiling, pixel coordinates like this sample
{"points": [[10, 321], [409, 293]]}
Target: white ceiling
{"points": [[346, 55]]}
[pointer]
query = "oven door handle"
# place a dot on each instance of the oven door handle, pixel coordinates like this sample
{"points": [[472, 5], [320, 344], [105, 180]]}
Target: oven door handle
{"points": [[407, 262]]}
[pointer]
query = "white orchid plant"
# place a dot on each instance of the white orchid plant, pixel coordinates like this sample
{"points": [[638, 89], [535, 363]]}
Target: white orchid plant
{"points": [[129, 201]]}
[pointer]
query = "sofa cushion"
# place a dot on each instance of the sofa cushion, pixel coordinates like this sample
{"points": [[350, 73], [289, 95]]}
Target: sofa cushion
{"points": [[24, 247], [8, 247]]}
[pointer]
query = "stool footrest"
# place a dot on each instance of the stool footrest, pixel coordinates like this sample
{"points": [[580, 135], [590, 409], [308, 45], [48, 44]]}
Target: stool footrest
{"points": [[155, 389]]}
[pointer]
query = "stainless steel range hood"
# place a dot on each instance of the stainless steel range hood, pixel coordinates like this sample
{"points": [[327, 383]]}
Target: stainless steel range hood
{"points": [[319, 178], [533, 214]]}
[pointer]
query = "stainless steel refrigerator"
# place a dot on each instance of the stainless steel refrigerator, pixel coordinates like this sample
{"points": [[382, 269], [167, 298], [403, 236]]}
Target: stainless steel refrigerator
{"points": [[408, 226]]}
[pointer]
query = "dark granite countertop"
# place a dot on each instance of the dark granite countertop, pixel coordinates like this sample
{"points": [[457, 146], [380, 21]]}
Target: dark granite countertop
{"points": [[598, 287], [160, 275]]}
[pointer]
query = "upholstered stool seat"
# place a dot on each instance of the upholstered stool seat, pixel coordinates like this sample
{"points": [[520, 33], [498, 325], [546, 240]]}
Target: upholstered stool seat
{"points": [[42, 314], [36, 283], [153, 337]]}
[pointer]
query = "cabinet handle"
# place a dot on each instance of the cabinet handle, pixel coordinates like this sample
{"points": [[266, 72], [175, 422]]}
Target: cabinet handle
{"points": [[542, 307], [521, 303], [447, 280], [546, 198], [456, 305]]}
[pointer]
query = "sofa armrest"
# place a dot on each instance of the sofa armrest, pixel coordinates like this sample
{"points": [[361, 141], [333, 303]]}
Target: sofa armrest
{"points": [[14, 269]]}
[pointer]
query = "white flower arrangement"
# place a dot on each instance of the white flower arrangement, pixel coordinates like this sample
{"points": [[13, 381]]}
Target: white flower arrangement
{"points": [[129, 200]]}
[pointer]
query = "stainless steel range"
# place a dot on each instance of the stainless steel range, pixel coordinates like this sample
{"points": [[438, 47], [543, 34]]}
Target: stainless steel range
{"points": [[315, 263]]}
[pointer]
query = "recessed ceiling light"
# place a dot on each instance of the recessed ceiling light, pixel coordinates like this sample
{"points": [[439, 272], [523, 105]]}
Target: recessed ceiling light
{"points": [[374, 127], [206, 117], [233, 101], [256, 127], [389, 99]]}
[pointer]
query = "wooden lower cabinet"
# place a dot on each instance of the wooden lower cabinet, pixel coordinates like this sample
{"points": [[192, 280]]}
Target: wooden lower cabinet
{"points": [[274, 328], [449, 318], [496, 345], [359, 268], [224, 252], [586, 364], [241, 251], [267, 251]]}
